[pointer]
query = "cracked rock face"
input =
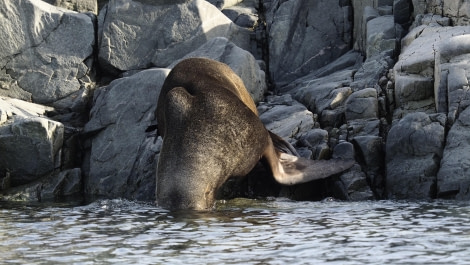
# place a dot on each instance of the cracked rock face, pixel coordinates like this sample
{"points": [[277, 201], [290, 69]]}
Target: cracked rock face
{"points": [[43, 50], [452, 177], [122, 158], [30, 143], [136, 35], [319, 33], [415, 80], [413, 152]]}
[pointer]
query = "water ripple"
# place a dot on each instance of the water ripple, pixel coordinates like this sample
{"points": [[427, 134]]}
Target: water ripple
{"points": [[273, 231]]}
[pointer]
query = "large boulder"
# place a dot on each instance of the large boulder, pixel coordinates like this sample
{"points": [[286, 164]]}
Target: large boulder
{"points": [[413, 152], [319, 33], [453, 178], [362, 104], [314, 144], [381, 35], [364, 10], [286, 117], [29, 142], [402, 11], [245, 14], [139, 34], [45, 52], [240, 61], [370, 153], [372, 69], [34, 164], [122, 159], [415, 70], [457, 11], [62, 185], [451, 88], [388, 15], [325, 96]]}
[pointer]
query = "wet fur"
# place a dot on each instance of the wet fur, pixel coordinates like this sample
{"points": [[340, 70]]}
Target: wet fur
{"points": [[211, 132]]}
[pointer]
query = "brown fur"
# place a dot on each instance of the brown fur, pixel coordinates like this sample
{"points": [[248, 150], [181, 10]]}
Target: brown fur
{"points": [[211, 132]]}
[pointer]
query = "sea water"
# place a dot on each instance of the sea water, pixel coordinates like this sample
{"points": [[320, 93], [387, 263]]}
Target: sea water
{"points": [[240, 231]]}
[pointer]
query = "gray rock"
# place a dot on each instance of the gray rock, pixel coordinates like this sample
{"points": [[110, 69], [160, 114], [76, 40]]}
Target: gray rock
{"points": [[418, 49], [120, 151], [332, 118], [382, 3], [241, 62], [311, 33], [243, 16], [453, 178], [431, 20], [352, 60], [362, 104], [385, 10], [415, 70], [324, 96], [402, 11], [30, 148], [353, 186], [452, 89], [316, 140], [456, 11], [363, 11], [287, 120], [410, 89], [372, 70], [12, 108], [51, 187], [44, 50], [363, 127], [137, 34], [222, 4], [30, 143], [344, 150], [328, 92], [419, 7], [370, 150], [76, 5], [381, 35], [413, 152]]}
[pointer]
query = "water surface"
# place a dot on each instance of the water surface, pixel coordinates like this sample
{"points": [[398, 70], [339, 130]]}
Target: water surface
{"points": [[275, 231]]}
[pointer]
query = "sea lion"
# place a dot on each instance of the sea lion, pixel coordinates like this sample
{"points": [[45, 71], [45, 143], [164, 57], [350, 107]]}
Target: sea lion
{"points": [[211, 132]]}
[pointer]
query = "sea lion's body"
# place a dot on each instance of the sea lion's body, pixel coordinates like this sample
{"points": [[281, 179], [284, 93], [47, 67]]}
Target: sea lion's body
{"points": [[211, 132]]}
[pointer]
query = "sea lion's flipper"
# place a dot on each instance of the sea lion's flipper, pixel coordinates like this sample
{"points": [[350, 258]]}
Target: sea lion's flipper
{"points": [[295, 170], [290, 170], [282, 145]]}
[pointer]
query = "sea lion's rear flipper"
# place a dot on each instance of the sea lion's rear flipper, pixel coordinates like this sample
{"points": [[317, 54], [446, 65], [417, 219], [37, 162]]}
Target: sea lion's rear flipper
{"points": [[289, 169], [295, 170], [282, 145]]}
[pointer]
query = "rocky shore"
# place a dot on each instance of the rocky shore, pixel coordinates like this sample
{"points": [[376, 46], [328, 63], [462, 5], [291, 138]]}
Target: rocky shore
{"points": [[385, 79]]}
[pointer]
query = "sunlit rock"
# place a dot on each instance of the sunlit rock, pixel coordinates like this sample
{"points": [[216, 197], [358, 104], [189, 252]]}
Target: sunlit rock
{"points": [[139, 34], [45, 52]]}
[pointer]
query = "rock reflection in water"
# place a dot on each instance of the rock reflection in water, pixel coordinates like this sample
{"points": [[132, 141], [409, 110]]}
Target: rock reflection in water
{"points": [[239, 232]]}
